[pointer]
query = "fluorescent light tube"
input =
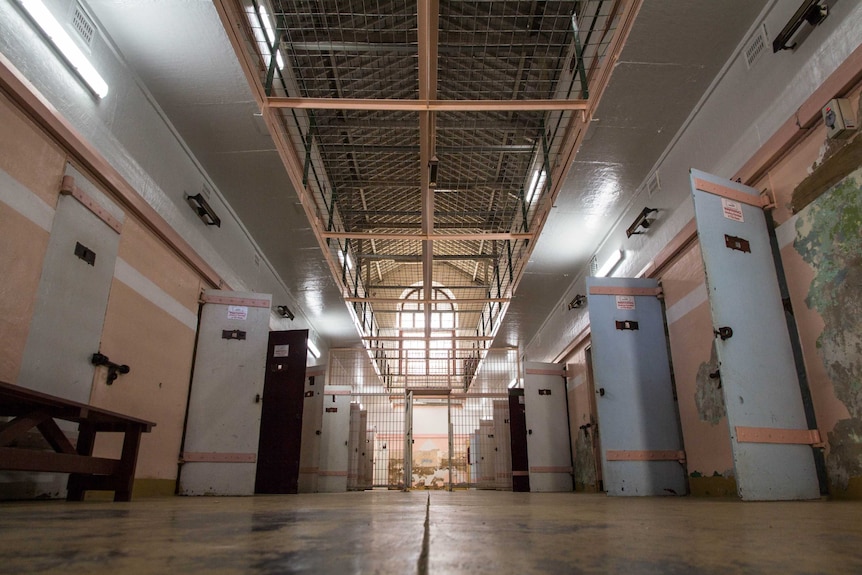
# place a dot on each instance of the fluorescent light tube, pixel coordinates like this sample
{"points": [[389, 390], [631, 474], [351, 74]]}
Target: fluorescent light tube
{"points": [[264, 17], [312, 349], [610, 264], [67, 47]]}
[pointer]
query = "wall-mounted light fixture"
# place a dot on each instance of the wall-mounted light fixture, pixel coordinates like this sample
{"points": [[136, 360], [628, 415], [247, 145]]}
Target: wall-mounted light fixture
{"points": [[284, 311], [609, 265], [578, 301], [65, 45], [642, 221], [811, 11], [432, 171], [203, 210], [312, 349]]}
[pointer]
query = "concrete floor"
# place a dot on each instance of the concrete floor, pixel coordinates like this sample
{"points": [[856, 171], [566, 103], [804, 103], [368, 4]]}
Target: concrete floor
{"points": [[431, 532]]}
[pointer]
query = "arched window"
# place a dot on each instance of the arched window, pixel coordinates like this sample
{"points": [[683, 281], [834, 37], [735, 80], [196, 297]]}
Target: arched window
{"points": [[437, 359]]}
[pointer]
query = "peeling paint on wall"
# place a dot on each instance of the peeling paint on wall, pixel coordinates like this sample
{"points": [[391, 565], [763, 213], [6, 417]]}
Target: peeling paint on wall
{"points": [[585, 460], [708, 395], [829, 238]]}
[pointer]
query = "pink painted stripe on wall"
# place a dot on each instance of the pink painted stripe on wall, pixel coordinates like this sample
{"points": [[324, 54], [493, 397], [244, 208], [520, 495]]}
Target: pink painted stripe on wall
{"points": [[776, 435], [550, 470], [561, 373], [655, 455], [201, 457], [611, 290], [249, 302]]}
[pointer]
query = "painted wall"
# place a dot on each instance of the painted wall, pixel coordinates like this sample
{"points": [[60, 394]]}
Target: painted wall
{"points": [[819, 249], [151, 313], [129, 129], [699, 395], [583, 422], [740, 111]]}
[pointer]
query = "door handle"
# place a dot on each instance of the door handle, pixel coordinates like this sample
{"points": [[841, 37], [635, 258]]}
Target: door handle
{"points": [[257, 398], [723, 332]]}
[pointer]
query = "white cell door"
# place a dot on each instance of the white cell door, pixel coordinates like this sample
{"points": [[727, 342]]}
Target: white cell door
{"points": [[221, 441], [334, 451], [641, 445], [768, 428], [73, 292], [548, 445]]}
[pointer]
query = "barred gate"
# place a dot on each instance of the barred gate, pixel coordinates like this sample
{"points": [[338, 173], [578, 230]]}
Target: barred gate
{"points": [[418, 436]]}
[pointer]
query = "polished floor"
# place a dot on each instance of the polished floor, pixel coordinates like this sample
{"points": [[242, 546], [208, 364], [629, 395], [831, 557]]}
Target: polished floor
{"points": [[431, 532]]}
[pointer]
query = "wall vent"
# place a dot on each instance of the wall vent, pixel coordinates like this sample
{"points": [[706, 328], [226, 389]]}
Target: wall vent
{"points": [[756, 46], [594, 265], [83, 25]]}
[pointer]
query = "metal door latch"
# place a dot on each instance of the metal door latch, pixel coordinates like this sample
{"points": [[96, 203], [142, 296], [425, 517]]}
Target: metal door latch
{"points": [[633, 325], [737, 243], [114, 369], [723, 332], [601, 391], [233, 334]]}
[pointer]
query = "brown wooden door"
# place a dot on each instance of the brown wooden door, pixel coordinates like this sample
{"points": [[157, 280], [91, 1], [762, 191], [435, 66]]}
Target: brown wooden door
{"points": [[518, 429], [281, 414]]}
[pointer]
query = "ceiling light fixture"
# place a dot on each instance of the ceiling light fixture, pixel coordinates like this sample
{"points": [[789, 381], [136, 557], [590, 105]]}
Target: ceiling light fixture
{"points": [[578, 301], [65, 45], [203, 210], [537, 183], [284, 311], [432, 172], [640, 221], [265, 39], [811, 11], [609, 265], [312, 349]]}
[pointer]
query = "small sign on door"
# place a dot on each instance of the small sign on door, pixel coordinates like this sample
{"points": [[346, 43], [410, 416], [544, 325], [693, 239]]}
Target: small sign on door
{"points": [[281, 350], [237, 312], [732, 210], [626, 302]]}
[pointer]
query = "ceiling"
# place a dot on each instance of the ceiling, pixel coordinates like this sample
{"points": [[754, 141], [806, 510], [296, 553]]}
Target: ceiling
{"points": [[398, 147]]}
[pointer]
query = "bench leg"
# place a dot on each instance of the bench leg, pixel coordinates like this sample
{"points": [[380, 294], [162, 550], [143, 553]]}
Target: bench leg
{"points": [[128, 462], [76, 486]]}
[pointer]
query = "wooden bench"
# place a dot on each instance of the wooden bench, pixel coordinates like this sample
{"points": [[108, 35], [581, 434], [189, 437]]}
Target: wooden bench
{"points": [[32, 409]]}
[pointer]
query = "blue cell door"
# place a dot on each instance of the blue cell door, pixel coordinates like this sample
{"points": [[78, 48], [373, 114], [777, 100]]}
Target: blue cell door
{"points": [[770, 438], [642, 451]]}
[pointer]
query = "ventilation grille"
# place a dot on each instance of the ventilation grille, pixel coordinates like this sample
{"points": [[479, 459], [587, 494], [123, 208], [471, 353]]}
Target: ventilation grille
{"points": [[755, 47], [594, 266], [84, 25]]}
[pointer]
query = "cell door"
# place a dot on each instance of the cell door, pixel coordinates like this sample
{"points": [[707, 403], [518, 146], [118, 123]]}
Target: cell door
{"points": [[280, 439], [546, 414], [73, 292], [641, 444], [334, 453], [518, 434], [223, 424], [768, 429]]}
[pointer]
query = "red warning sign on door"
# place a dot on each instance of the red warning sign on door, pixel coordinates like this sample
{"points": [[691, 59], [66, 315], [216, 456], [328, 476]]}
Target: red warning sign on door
{"points": [[625, 302], [732, 210]]}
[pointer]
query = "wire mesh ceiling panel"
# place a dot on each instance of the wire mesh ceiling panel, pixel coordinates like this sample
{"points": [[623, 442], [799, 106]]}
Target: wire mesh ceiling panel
{"points": [[427, 141]]}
